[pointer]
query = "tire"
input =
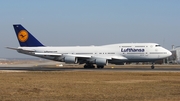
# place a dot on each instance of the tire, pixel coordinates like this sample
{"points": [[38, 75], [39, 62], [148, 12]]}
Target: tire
{"points": [[100, 67]]}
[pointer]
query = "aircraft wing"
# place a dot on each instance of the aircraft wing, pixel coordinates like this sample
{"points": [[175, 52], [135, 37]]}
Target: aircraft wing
{"points": [[112, 57], [83, 56], [50, 54], [75, 55], [119, 58], [57, 54]]}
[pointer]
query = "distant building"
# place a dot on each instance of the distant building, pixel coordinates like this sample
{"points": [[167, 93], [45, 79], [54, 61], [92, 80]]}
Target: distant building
{"points": [[2, 59], [175, 57]]}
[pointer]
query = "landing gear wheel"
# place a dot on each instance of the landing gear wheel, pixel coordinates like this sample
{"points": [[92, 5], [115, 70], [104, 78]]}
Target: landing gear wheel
{"points": [[89, 66], [100, 67], [85, 66], [152, 67], [92, 66]]}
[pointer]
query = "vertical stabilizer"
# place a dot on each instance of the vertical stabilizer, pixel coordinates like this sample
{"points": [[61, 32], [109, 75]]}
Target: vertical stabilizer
{"points": [[25, 38]]}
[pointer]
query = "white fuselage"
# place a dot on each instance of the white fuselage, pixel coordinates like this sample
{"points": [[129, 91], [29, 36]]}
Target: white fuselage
{"points": [[114, 53]]}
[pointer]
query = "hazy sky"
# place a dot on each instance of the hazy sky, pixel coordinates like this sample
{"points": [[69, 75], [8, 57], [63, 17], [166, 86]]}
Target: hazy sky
{"points": [[90, 22]]}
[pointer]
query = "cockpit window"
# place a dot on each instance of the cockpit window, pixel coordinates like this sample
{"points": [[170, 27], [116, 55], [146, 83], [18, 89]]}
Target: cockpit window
{"points": [[158, 45]]}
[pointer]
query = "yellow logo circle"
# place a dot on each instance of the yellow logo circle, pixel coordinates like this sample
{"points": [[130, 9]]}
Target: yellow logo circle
{"points": [[23, 35]]}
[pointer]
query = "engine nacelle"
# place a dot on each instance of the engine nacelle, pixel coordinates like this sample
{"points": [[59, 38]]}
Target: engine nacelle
{"points": [[70, 59], [101, 62]]}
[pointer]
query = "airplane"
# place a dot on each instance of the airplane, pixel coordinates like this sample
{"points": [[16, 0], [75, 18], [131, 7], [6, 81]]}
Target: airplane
{"points": [[90, 55]]}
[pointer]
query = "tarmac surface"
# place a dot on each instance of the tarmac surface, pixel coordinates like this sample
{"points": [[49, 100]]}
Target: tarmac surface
{"points": [[30, 65], [119, 69]]}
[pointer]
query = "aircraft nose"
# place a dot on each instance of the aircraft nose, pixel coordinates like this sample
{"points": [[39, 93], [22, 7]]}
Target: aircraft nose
{"points": [[169, 53]]}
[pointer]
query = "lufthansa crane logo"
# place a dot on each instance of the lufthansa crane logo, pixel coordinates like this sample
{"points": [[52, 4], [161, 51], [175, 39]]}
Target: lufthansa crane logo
{"points": [[23, 35]]}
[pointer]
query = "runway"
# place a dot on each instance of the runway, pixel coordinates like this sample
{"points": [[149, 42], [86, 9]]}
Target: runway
{"points": [[123, 69]]}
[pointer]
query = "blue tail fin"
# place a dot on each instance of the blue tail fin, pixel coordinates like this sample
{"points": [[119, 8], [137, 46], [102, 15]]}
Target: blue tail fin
{"points": [[25, 38]]}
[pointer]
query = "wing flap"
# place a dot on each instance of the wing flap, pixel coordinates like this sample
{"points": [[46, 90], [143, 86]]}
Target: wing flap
{"points": [[51, 54], [79, 56], [119, 58], [57, 54]]}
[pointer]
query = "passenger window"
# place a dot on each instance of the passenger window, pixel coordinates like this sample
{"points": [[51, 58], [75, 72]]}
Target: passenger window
{"points": [[158, 45]]}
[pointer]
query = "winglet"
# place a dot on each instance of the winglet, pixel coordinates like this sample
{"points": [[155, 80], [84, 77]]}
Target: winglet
{"points": [[25, 38]]}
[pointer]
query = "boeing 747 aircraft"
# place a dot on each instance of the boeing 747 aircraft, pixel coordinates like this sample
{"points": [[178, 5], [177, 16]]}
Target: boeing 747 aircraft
{"points": [[90, 55]]}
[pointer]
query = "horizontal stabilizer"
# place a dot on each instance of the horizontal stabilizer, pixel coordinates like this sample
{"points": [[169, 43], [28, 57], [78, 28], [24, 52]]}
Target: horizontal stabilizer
{"points": [[19, 49], [12, 48]]}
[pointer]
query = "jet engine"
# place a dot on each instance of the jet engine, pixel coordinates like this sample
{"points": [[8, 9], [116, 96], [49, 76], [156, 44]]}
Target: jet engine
{"points": [[101, 62], [70, 59], [67, 59]]}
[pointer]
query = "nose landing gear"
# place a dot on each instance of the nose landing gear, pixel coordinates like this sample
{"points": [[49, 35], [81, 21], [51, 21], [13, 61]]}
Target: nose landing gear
{"points": [[152, 67]]}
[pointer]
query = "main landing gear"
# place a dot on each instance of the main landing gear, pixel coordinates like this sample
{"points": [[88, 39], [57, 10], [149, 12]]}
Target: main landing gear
{"points": [[90, 66], [100, 67], [152, 67]]}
